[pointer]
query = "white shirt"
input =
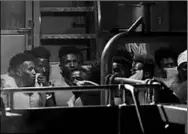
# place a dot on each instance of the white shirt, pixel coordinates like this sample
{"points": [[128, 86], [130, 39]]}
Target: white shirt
{"points": [[20, 99], [61, 97]]}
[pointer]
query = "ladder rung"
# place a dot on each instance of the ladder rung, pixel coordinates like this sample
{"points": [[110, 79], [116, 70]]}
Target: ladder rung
{"points": [[67, 9], [68, 36]]}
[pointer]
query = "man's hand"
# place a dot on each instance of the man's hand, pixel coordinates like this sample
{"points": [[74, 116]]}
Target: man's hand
{"points": [[71, 101], [42, 80]]}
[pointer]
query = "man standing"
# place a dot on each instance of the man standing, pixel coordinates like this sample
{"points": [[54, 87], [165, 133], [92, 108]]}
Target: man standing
{"points": [[21, 73]]}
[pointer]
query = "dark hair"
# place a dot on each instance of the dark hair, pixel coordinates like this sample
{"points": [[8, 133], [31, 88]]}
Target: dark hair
{"points": [[125, 56], [63, 51], [19, 58], [165, 52], [41, 52]]}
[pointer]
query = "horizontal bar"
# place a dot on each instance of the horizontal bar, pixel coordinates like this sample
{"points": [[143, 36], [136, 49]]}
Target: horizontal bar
{"points": [[127, 80], [75, 88], [50, 89], [18, 110], [10, 32], [66, 9], [149, 37], [68, 36], [155, 34]]}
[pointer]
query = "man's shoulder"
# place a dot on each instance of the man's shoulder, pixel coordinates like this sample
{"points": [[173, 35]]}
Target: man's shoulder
{"points": [[7, 81]]}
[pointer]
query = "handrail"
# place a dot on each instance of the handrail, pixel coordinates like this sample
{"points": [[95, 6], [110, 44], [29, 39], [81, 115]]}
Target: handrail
{"points": [[11, 91], [52, 89], [73, 88], [109, 51]]}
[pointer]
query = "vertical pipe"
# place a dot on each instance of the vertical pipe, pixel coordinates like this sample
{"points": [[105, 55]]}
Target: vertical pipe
{"points": [[11, 100], [37, 23], [147, 16], [137, 105], [97, 7]]}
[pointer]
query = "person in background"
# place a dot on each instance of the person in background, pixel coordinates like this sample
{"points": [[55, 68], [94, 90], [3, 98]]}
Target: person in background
{"points": [[166, 59], [143, 67], [76, 75], [122, 63], [42, 69], [42, 56], [70, 58], [21, 73], [121, 66], [179, 84], [93, 97]]}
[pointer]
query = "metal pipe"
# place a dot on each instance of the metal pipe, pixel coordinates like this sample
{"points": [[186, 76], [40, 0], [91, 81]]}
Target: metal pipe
{"points": [[84, 88], [52, 89], [147, 15], [135, 25], [128, 80], [99, 13], [131, 89]]}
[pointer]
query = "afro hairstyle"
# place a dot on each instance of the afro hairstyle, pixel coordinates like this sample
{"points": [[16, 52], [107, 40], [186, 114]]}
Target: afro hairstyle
{"points": [[165, 52], [19, 59], [41, 52], [63, 51]]}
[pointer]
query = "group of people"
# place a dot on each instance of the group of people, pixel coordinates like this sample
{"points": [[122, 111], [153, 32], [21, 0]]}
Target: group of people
{"points": [[166, 67], [33, 69]]}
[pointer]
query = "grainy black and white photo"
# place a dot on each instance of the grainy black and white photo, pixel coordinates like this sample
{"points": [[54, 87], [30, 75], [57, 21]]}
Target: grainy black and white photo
{"points": [[93, 67]]}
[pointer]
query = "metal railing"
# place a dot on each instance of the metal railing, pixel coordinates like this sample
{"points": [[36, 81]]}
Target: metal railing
{"points": [[10, 91], [132, 89]]}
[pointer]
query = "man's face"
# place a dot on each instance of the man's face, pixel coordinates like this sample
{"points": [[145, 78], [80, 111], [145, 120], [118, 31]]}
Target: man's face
{"points": [[27, 73], [167, 63], [182, 69], [43, 66], [118, 68], [78, 76], [69, 62]]}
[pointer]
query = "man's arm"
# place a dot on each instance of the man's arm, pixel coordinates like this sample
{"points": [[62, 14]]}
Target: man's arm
{"points": [[71, 101]]}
